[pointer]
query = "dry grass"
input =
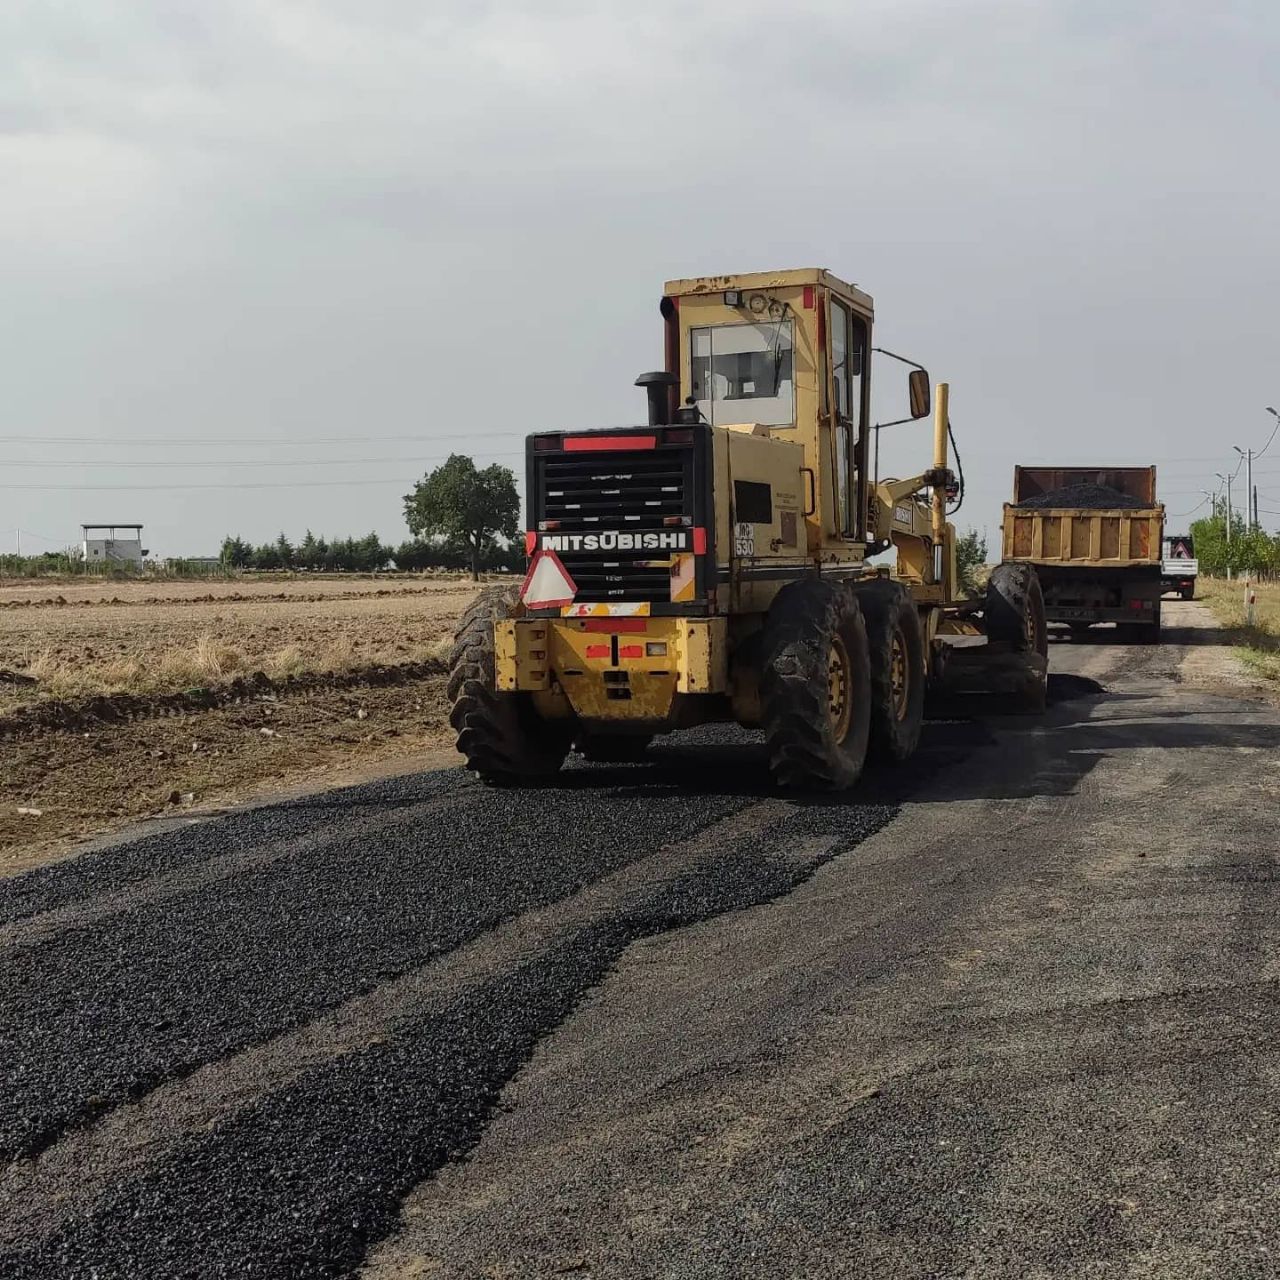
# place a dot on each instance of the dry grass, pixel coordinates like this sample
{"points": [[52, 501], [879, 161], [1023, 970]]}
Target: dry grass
{"points": [[1258, 644], [173, 645], [83, 590]]}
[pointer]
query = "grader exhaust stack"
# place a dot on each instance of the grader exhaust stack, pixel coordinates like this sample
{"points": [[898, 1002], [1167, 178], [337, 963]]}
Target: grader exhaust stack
{"points": [[714, 564]]}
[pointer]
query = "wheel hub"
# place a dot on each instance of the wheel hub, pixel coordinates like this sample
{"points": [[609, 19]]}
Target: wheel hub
{"points": [[839, 689], [899, 674]]}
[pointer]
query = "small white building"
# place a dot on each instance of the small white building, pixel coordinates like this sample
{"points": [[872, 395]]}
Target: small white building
{"points": [[118, 544]]}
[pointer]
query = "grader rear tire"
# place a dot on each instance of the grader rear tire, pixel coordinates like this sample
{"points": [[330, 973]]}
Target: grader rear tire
{"points": [[896, 643], [815, 686], [503, 739]]}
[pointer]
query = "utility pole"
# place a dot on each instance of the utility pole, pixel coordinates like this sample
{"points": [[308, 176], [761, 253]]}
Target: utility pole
{"points": [[1227, 481], [1250, 503]]}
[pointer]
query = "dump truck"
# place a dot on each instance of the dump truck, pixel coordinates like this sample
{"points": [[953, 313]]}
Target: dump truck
{"points": [[716, 563], [1179, 567], [1094, 536]]}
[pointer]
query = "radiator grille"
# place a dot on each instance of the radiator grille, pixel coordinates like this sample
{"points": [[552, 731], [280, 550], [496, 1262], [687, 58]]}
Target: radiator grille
{"points": [[627, 491]]}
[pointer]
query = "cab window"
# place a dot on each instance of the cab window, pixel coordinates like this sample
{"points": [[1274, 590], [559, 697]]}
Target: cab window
{"points": [[744, 373]]}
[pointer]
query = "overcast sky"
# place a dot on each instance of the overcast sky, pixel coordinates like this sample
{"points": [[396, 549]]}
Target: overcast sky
{"points": [[325, 234]]}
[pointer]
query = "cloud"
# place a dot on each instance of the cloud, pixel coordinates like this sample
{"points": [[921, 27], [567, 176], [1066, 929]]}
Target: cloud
{"points": [[310, 218]]}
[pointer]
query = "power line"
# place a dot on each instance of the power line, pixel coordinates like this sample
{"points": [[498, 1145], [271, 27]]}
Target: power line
{"points": [[242, 462], [31, 533], [268, 484], [1270, 438], [419, 437]]}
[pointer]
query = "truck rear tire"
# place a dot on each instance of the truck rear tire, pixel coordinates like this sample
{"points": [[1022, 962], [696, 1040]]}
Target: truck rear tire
{"points": [[613, 748], [1187, 593], [815, 686], [895, 642], [503, 738], [1014, 608]]}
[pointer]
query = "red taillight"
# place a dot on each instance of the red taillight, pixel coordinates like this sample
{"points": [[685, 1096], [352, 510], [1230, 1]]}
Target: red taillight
{"points": [[547, 444], [530, 542], [599, 443], [615, 626], [808, 297], [631, 651], [678, 435], [699, 542], [548, 526]]}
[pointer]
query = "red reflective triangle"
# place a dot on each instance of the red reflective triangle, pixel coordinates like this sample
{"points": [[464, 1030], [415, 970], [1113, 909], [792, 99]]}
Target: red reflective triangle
{"points": [[547, 585]]}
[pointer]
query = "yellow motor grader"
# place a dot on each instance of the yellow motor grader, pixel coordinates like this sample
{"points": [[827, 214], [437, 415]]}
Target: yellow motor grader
{"points": [[718, 563]]}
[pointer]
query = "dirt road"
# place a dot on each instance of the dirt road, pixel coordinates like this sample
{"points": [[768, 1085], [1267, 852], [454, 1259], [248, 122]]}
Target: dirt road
{"points": [[1010, 1012]]}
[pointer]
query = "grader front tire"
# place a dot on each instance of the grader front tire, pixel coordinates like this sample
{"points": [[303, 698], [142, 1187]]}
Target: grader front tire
{"points": [[503, 739], [1014, 608], [815, 687]]}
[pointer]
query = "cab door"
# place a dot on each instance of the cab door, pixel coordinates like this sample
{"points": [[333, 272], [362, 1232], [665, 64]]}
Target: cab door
{"points": [[848, 361]]}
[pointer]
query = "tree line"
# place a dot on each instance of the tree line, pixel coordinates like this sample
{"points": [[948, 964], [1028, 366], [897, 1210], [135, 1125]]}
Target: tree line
{"points": [[368, 555], [1251, 550], [461, 517]]}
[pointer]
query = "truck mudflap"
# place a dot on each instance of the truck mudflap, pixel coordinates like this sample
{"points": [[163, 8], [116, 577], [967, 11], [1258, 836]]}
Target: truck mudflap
{"points": [[603, 669]]}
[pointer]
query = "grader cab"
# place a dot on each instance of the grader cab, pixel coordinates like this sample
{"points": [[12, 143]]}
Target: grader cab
{"points": [[716, 564]]}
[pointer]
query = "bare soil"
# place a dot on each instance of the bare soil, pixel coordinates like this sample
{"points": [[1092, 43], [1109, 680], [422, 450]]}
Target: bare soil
{"points": [[138, 700], [78, 784]]}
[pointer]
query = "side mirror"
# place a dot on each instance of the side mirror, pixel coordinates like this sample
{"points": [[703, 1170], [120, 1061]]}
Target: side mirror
{"points": [[918, 388]]}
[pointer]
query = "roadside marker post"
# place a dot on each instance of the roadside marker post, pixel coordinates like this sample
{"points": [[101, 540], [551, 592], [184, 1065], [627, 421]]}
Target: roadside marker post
{"points": [[1250, 599]]}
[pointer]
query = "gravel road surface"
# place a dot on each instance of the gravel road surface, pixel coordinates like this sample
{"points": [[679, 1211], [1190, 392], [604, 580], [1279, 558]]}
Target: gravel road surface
{"points": [[1011, 1011]]}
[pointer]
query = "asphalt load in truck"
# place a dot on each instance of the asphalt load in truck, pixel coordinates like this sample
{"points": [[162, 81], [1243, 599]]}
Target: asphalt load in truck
{"points": [[1092, 496]]}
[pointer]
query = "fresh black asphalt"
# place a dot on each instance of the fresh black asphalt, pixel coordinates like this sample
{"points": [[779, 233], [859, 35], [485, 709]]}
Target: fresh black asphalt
{"points": [[101, 1013], [300, 1183]]}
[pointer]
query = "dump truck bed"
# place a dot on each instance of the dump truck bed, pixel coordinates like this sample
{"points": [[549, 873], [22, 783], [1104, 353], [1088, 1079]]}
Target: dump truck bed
{"points": [[1115, 538], [1080, 529]]}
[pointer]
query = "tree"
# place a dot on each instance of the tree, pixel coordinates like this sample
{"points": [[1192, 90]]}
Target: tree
{"points": [[308, 554], [460, 503], [971, 555], [1250, 551], [236, 553]]}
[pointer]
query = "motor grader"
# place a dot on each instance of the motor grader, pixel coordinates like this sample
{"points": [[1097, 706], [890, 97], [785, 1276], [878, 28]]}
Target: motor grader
{"points": [[719, 562]]}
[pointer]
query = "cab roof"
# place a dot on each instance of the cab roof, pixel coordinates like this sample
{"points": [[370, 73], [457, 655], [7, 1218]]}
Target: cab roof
{"points": [[768, 280]]}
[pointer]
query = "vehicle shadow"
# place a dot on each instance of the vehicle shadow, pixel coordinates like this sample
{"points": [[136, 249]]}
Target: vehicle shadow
{"points": [[963, 758]]}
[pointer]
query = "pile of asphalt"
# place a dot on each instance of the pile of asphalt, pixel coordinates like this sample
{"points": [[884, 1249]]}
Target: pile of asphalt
{"points": [[112, 1006], [305, 1180], [1093, 497]]}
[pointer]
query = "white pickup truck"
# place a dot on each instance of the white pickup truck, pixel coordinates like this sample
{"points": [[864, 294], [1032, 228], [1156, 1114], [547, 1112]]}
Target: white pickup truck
{"points": [[1179, 567]]}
